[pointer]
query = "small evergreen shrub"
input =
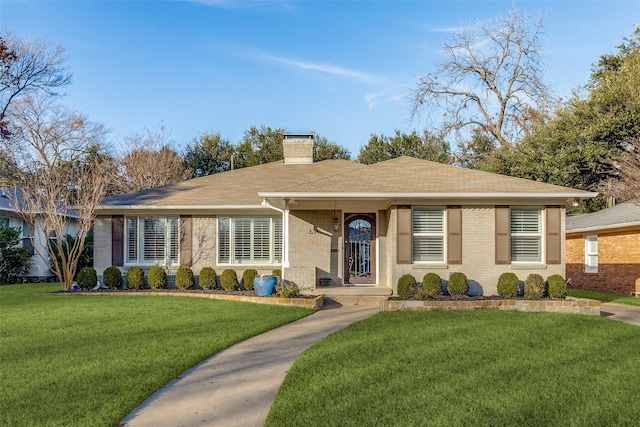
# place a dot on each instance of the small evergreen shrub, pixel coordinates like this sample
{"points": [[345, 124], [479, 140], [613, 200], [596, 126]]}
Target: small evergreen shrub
{"points": [[112, 277], [407, 285], [508, 285], [157, 277], [278, 274], [87, 278], [534, 286], [134, 279], [207, 278], [557, 286], [287, 290], [431, 286], [247, 279], [458, 284], [229, 280], [184, 278]]}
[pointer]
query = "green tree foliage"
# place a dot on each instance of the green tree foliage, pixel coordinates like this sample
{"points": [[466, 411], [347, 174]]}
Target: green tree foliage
{"points": [[426, 146], [259, 146], [325, 150], [209, 154], [14, 260]]}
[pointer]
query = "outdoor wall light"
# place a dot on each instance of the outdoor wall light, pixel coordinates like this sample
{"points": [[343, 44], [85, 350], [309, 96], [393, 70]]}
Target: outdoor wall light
{"points": [[336, 224]]}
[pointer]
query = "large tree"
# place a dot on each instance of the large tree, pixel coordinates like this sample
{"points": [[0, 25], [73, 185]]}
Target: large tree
{"points": [[258, 146], [209, 154], [426, 146], [323, 149], [28, 67], [490, 80]]}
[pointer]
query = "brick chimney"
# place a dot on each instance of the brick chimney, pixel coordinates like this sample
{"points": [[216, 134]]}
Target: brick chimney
{"points": [[298, 148]]}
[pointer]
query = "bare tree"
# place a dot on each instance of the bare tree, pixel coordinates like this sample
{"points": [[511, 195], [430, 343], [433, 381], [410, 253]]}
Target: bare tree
{"points": [[627, 186], [28, 66], [62, 181], [491, 80]]}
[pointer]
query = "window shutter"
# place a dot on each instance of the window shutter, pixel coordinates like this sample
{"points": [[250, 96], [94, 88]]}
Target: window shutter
{"points": [[185, 242], [553, 235], [403, 238], [503, 237], [117, 240], [454, 235]]}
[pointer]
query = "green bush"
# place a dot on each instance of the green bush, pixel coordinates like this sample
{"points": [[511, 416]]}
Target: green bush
{"points": [[157, 277], [134, 279], [458, 284], [431, 286], [407, 285], [508, 285], [534, 286], [229, 280], [557, 286], [112, 277], [87, 278], [15, 260], [278, 273], [287, 290], [247, 279], [207, 278], [184, 278]]}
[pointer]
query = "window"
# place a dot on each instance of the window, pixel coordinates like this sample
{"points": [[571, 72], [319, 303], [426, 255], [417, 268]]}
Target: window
{"points": [[27, 238], [152, 240], [526, 235], [591, 254], [428, 235], [249, 240], [4, 222]]}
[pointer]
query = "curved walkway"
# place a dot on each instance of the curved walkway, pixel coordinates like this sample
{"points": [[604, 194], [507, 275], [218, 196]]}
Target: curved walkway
{"points": [[621, 312], [237, 386]]}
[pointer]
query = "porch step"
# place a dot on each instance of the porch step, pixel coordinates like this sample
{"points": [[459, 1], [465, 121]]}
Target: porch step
{"points": [[355, 295]]}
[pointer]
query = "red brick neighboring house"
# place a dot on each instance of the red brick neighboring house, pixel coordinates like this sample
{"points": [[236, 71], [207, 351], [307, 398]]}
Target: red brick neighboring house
{"points": [[603, 249]]}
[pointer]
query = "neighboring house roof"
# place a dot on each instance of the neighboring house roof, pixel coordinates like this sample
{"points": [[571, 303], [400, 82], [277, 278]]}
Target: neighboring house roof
{"points": [[619, 216], [11, 199], [403, 177]]}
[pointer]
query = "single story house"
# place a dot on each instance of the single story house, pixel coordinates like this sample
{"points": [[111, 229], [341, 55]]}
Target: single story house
{"points": [[603, 249], [357, 225]]}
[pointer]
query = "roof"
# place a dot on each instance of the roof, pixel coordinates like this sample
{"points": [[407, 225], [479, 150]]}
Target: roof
{"points": [[7, 195], [619, 216], [336, 179]]}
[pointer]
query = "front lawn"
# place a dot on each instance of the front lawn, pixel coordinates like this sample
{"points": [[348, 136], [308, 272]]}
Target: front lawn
{"points": [[604, 296], [90, 360], [475, 368]]}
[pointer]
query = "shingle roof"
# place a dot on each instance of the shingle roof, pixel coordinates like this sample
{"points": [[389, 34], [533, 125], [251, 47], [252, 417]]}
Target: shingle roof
{"points": [[624, 214], [244, 187]]}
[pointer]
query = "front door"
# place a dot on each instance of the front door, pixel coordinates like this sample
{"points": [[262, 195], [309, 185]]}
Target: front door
{"points": [[360, 240]]}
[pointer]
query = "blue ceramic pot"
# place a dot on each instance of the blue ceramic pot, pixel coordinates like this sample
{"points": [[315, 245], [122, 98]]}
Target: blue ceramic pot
{"points": [[265, 286]]}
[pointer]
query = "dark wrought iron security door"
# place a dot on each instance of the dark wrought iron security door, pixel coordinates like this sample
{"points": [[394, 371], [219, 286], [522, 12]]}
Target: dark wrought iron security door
{"points": [[360, 248]]}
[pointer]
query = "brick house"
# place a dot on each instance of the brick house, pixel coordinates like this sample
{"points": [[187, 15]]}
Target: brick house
{"points": [[603, 249], [361, 226]]}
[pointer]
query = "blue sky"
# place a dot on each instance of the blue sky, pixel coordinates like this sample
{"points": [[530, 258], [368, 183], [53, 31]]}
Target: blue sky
{"points": [[341, 68]]}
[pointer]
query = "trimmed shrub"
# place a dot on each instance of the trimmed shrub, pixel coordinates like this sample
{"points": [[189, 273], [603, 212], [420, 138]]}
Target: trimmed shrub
{"points": [[407, 285], [534, 286], [157, 277], [134, 279], [207, 278], [87, 278], [508, 285], [247, 279], [278, 273], [557, 286], [431, 286], [288, 290], [458, 284], [184, 278], [112, 277], [229, 280]]}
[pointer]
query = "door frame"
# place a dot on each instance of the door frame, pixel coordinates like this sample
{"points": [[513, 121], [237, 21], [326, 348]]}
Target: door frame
{"points": [[371, 218]]}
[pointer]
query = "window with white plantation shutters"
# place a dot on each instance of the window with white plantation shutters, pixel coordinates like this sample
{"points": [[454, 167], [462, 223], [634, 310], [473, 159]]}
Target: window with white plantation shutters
{"points": [[428, 235], [249, 240], [591, 254], [132, 239], [526, 235], [152, 240], [173, 239]]}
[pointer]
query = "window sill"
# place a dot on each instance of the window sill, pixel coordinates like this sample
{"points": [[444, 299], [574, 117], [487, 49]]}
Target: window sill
{"points": [[434, 266], [529, 267]]}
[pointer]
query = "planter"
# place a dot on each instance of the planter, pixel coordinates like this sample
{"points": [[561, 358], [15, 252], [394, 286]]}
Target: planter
{"points": [[265, 286], [325, 281]]}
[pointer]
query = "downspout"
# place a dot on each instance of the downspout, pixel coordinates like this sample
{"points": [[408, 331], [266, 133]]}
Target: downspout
{"points": [[285, 232]]}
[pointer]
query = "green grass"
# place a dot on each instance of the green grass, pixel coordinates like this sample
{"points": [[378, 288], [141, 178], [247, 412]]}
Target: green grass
{"points": [[71, 360], [476, 368], [604, 296]]}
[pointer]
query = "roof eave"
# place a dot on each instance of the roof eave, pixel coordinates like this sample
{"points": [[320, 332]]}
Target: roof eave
{"points": [[607, 227], [435, 195]]}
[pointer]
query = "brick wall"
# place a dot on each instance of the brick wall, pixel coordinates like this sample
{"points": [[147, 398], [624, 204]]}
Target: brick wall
{"points": [[618, 262]]}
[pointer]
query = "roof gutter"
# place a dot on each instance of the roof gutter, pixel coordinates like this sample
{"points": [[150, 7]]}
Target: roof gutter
{"points": [[387, 195]]}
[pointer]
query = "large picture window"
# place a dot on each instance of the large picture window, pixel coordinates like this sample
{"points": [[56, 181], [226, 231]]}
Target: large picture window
{"points": [[428, 235], [255, 240], [526, 235], [152, 240]]}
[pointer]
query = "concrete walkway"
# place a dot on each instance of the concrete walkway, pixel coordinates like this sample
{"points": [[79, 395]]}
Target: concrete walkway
{"points": [[621, 312], [236, 387]]}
